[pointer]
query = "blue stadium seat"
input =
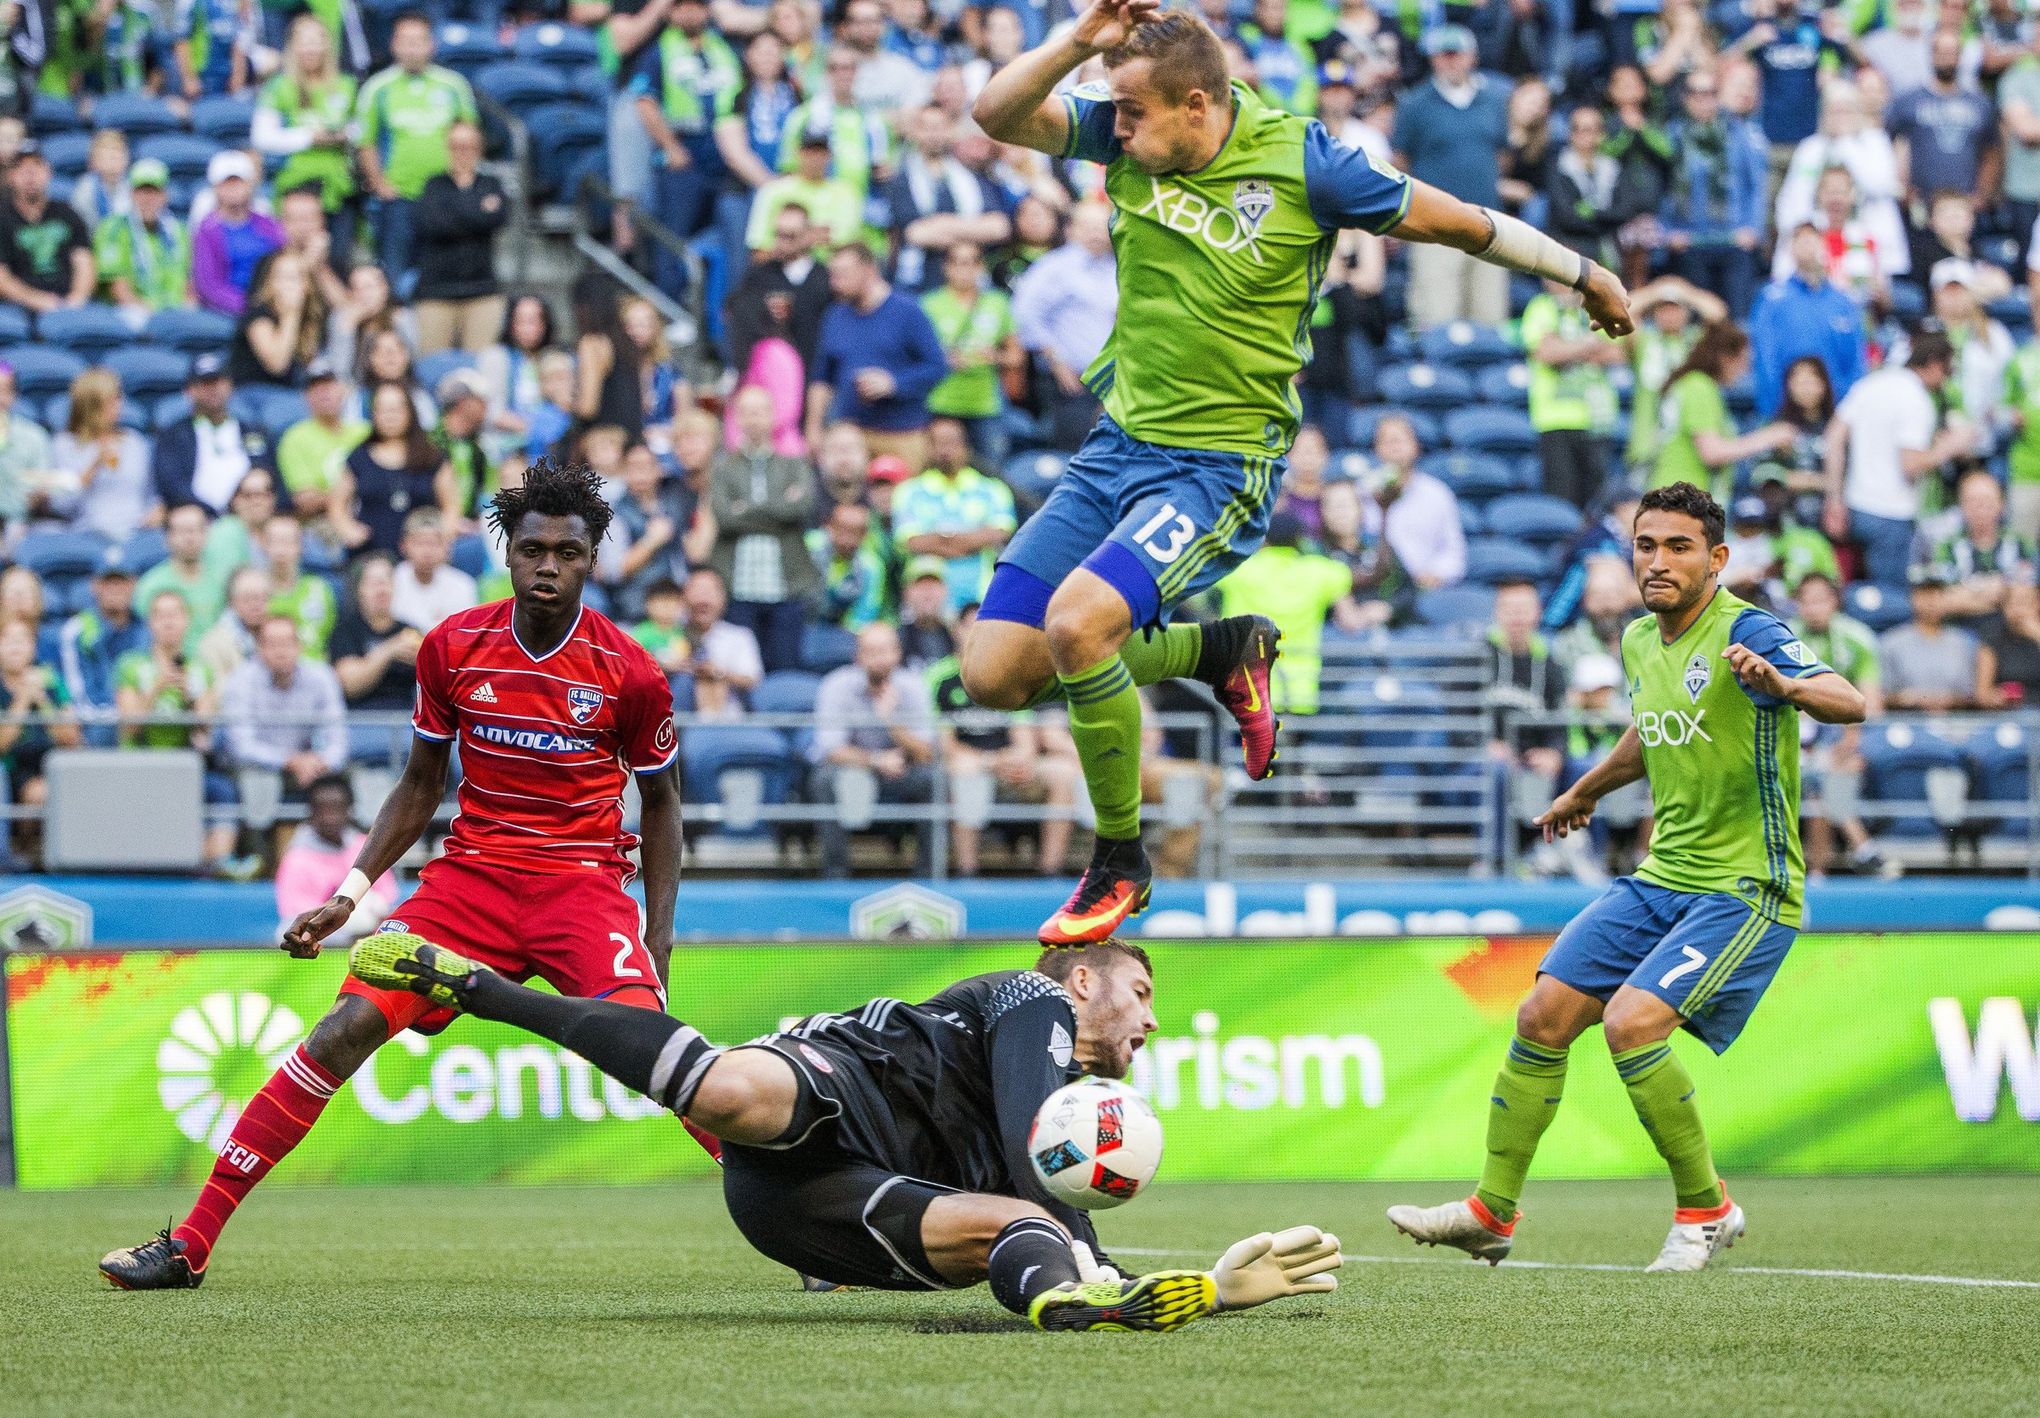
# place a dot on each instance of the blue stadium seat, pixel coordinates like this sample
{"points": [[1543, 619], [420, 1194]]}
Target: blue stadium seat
{"points": [[519, 86], [590, 82], [87, 331], [1468, 345], [1908, 301], [1533, 517], [1456, 606], [561, 46], [1032, 476], [1487, 430], [1471, 476], [145, 549], [1878, 607], [67, 154], [59, 554], [174, 408], [1360, 428], [1491, 560], [42, 371], [14, 325], [788, 692], [136, 114], [2001, 773], [148, 373], [471, 554], [276, 409], [826, 647], [1741, 397], [56, 415], [1434, 387], [1505, 386], [50, 115], [1897, 759], [190, 332], [571, 128], [435, 367], [1471, 522], [710, 750], [223, 118], [467, 49], [185, 154]]}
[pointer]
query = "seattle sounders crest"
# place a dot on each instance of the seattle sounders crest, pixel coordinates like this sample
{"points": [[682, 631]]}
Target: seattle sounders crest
{"points": [[1697, 671], [1253, 198]]}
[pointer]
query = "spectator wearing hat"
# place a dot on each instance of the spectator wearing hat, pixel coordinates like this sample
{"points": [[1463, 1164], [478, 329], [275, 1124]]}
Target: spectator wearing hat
{"points": [[1450, 133], [1752, 561], [312, 454], [762, 502], [1797, 550], [105, 465], [1983, 347], [883, 478], [877, 358], [833, 203], [458, 300], [144, 254], [955, 513], [1929, 664], [203, 457], [463, 398], [1805, 314], [405, 116], [92, 642], [784, 293], [927, 627], [231, 240], [45, 251], [1063, 308]]}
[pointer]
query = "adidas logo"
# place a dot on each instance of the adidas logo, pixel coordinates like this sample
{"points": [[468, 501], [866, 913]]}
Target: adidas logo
{"points": [[484, 695]]}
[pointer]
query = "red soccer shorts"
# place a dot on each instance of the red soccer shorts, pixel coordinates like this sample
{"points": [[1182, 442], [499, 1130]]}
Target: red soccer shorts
{"points": [[579, 931]]}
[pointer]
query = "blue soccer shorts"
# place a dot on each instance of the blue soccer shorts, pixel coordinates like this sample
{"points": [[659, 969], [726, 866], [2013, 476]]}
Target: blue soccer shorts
{"points": [[1710, 956], [1179, 518]]}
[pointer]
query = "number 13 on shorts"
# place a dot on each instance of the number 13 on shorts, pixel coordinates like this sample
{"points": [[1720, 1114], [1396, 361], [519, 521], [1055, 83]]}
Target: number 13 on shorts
{"points": [[1166, 535]]}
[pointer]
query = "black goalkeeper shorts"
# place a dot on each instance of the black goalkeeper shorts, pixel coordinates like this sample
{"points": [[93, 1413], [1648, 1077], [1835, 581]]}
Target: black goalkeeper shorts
{"points": [[817, 1206]]}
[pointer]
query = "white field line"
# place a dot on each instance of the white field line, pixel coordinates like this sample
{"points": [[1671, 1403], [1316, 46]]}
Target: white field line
{"points": [[1964, 1281]]}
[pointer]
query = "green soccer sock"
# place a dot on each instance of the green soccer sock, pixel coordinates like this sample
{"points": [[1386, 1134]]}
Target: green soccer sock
{"points": [[1105, 722], [1662, 1092], [1151, 656], [1526, 1097]]}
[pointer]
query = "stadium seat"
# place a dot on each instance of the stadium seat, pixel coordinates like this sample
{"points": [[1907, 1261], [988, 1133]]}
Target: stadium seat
{"points": [[87, 331], [1487, 430], [1504, 386], [145, 549], [174, 408], [148, 373], [1471, 522], [570, 128], [56, 415], [14, 325], [435, 367], [55, 555], [190, 332], [471, 554], [1360, 428], [1878, 607], [2001, 774], [520, 86], [1741, 397], [136, 114], [50, 115], [1467, 345], [185, 154], [1491, 560], [590, 82], [276, 409], [1032, 476], [67, 154], [1908, 302], [561, 46], [708, 751], [42, 371], [1452, 606], [1435, 388], [1471, 476], [826, 647], [223, 118], [789, 692], [1902, 763], [1534, 517], [467, 49]]}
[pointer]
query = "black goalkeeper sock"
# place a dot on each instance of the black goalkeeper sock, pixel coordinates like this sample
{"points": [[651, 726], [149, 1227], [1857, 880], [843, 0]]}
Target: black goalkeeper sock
{"points": [[644, 1049], [1028, 1257]]}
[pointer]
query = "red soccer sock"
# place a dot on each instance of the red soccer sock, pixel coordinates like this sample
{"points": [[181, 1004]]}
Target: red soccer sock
{"points": [[276, 1120]]}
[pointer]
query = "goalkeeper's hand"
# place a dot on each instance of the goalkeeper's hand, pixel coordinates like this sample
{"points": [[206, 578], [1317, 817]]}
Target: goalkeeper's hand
{"points": [[1299, 1261], [1089, 1269]]}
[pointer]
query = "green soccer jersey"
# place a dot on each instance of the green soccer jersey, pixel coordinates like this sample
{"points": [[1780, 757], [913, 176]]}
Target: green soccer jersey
{"points": [[1296, 590], [137, 670], [404, 117], [330, 106], [1686, 410], [1848, 647], [2022, 397], [1723, 761], [971, 391], [1573, 398], [1219, 269]]}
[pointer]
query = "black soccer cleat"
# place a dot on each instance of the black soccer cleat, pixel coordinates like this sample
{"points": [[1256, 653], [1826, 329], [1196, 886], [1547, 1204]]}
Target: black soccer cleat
{"points": [[1113, 888], [157, 1264], [1244, 684]]}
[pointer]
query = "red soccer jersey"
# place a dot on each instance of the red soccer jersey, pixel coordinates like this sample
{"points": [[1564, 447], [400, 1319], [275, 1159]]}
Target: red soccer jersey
{"points": [[546, 741]]}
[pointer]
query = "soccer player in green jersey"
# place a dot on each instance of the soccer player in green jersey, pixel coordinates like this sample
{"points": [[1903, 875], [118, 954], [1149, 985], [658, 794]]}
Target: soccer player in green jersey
{"points": [[1691, 941], [1226, 211]]}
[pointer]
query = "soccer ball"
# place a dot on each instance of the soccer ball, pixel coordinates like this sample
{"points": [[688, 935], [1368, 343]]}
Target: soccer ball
{"points": [[1095, 1144]]}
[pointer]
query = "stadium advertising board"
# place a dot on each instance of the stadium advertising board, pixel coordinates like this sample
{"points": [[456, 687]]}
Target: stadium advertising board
{"points": [[1275, 1059]]}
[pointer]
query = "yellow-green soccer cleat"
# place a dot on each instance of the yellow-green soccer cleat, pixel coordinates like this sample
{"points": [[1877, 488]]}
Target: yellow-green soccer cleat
{"points": [[399, 960], [1165, 1300]]}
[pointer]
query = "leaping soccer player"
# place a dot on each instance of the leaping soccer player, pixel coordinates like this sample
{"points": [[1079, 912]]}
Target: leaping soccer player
{"points": [[887, 1146], [1693, 939], [1225, 215], [554, 709]]}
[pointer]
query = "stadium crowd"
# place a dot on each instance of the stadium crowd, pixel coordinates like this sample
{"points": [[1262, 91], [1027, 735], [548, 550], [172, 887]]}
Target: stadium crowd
{"points": [[259, 374]]}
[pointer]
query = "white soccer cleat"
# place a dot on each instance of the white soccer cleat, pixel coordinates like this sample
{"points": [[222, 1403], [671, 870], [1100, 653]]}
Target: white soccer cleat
{"points": [[1464, 1225], [1693, 1245]]}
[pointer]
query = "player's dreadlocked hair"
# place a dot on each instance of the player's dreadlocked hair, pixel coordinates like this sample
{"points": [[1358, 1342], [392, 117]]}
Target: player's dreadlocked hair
{"points": [[1693, 502], [554, 490], [1101, 955]]}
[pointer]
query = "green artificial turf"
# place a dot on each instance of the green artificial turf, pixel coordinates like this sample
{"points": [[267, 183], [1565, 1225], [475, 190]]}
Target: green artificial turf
{"points": [[615, 1301]]}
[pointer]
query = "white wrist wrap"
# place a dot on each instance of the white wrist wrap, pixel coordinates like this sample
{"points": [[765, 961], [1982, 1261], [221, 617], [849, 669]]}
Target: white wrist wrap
{"points": [[355, 888], [1522, 247]]}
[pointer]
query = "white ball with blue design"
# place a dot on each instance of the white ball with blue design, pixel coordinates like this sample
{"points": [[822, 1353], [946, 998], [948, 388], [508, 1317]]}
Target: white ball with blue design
{"points": [[1095, 1144]]}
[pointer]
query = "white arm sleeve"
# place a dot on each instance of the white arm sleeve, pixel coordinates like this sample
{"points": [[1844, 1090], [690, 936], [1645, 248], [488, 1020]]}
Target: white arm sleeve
{"points": [[1521, 247]]}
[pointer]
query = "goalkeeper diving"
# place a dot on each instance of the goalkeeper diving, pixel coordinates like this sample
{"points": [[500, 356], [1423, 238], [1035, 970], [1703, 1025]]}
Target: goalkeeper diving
{"points": [[886, 1146]]}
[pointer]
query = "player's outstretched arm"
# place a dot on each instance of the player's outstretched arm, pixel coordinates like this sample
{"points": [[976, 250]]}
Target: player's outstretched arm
{"points": [[1824, 695], [405, 815], [1496, 237], [1574, 808], [1016, 105], [660, 850]]}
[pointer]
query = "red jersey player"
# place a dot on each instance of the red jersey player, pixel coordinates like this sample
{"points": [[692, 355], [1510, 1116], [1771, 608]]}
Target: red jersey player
{"points": [[553, 707]]}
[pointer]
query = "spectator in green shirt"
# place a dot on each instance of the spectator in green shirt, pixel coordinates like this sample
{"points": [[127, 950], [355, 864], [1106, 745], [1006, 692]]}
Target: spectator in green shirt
{"points": [[1833, 763], [311, 456], [1670, 316], [184, 572], [144, 254], [1572, 402], [974, 323], [1296, 589], [405, 114], [1700, 444], [295, 592], [163, 679], [663, 631]]}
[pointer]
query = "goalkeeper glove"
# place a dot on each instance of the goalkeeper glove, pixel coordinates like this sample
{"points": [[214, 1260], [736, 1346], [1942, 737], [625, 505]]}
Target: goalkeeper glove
{"points": [[1299, 1261], [1089, 1270]]}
